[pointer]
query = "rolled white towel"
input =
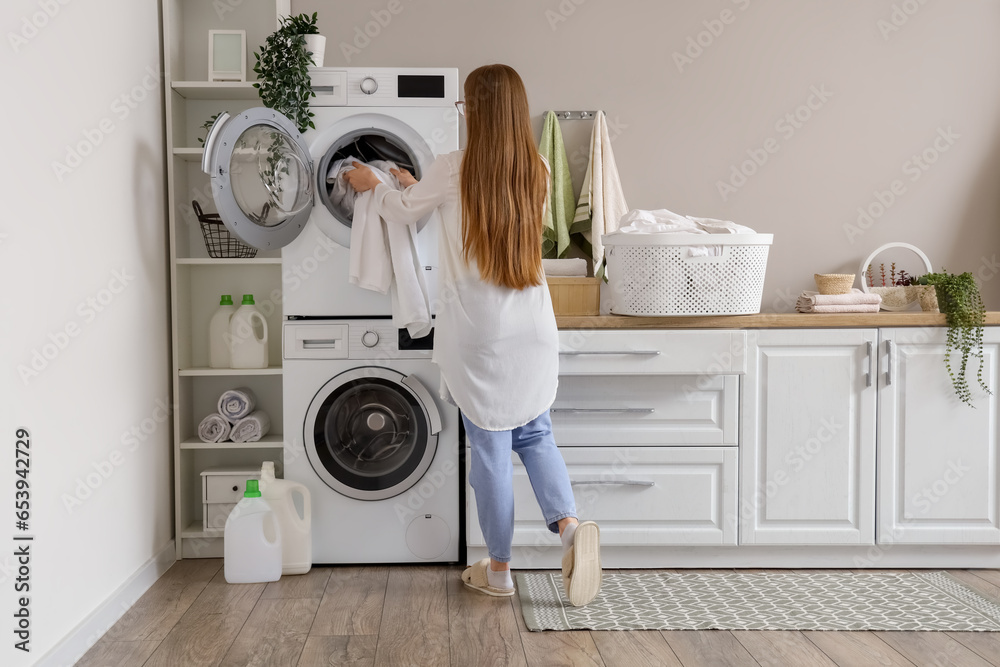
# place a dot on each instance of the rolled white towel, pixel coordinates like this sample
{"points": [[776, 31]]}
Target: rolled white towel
{"points": [[574, 267], [251, 428], [214, 428], [235, 404]]}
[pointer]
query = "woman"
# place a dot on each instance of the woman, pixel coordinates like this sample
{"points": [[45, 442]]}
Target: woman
{"points": [[496, 341]]}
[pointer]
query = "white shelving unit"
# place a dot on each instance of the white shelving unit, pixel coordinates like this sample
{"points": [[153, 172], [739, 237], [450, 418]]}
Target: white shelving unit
{"points": [[197, 280]]}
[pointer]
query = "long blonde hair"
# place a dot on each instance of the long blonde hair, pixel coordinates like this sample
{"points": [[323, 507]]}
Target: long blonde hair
{"points": [[503, 181]]}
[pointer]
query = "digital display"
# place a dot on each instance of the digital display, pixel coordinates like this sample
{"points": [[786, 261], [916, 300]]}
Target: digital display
{"points": [[420, 85]]}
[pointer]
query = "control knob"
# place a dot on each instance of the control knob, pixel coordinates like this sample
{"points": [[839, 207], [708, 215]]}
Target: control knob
{"points": [[368, 85], [369, 338]]}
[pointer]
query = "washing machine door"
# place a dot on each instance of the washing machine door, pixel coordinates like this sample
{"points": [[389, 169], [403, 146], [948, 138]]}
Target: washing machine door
{"points": [[371, 433], [262, 176]]}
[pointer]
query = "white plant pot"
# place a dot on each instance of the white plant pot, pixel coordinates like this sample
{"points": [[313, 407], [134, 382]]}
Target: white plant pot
{"points": [[316, 44]]}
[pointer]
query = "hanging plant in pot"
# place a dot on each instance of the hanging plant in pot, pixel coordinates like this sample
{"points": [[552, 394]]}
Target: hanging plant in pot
{"points": [[959, 299], [282, 68]]}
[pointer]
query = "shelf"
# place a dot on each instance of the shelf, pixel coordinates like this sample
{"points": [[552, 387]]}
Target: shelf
{"points": [[270, 441], [195, 529], [216, 261], [189, 154], [223, 372], [215, 90]]}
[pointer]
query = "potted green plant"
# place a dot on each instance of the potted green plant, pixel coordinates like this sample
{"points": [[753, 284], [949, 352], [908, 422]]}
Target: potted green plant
{"points": [[282, 68], [959, 299]]}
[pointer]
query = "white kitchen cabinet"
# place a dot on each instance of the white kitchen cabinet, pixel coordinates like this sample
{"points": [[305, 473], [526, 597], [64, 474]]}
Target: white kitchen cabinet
{"points": [[808, 446], [197, 280], [640, 496], [938, 466]]}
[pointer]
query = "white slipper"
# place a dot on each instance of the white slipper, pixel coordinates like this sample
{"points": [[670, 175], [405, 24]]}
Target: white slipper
{"points": [[475, 577], [581, 565]]}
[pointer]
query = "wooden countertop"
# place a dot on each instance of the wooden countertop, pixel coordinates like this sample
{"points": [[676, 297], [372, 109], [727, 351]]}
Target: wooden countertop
{"points": [[762, 321]]}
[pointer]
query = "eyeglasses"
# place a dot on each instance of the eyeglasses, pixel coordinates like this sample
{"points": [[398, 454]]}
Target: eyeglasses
{"points": [[460, 105]]}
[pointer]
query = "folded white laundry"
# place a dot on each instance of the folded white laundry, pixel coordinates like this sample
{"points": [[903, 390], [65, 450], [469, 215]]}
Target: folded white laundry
{"points": [[235, 404], [855, 296], [251, 428], [384, 254], [570, 268], [214, 428]]}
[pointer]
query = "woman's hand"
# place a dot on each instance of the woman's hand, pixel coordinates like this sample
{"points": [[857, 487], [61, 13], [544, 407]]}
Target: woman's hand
{"points": [[361, 178], [404, 177]]}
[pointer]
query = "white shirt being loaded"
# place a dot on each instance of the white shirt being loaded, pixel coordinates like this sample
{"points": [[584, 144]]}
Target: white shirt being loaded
{"points": [[497, 348]]}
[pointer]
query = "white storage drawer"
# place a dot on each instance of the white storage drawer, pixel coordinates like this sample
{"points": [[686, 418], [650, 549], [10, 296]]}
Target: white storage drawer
{"points": [[586, 352], [646, 410], [640, 496], [221, 489]]}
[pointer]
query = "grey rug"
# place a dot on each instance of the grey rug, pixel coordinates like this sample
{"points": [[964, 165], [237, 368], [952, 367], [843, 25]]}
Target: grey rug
{"points": [[762, 601]]}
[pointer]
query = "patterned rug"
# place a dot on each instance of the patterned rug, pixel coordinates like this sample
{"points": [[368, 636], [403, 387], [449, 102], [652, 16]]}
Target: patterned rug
{"points": [[762, 601]]}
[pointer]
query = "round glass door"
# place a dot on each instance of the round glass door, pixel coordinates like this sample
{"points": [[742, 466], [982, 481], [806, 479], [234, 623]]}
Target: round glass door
{"points": [[368, 434], [262, 177]]}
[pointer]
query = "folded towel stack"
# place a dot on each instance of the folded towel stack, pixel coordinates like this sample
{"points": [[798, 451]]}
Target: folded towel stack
{"points": [[565, 268], [236, 419], [854, 301]]}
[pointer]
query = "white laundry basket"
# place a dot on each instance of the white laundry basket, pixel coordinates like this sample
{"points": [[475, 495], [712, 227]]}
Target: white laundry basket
{"points": [[686, 274]]}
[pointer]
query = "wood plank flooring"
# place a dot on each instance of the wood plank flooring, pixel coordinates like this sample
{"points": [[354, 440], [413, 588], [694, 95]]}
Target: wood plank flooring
{"points": [[423, 615]]}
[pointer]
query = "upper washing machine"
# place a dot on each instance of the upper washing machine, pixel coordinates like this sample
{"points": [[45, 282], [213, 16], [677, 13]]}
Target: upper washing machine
{"points": [[270, 182]]}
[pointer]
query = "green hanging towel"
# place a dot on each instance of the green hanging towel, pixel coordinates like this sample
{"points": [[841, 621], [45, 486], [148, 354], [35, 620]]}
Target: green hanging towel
{"points": [[561, 204]]}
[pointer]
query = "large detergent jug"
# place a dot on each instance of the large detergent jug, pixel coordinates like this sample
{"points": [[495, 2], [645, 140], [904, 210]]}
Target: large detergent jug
{"points": [[296, 535], [248, 336], [252, 542], [218, 333]]}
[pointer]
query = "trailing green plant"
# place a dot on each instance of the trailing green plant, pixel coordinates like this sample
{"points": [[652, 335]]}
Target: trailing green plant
{"points": [[960, 301], [207, 125], [282, 68]]}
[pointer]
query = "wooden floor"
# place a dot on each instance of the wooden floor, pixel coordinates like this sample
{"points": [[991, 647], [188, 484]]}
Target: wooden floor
{"points": [[423, 615]]}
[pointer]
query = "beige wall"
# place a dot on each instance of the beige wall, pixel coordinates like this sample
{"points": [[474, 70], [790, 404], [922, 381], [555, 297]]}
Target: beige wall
{"points": [[895, 80]]}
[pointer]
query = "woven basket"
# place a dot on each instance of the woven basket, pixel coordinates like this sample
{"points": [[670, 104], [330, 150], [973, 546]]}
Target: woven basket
{"points": [[834, 283]]}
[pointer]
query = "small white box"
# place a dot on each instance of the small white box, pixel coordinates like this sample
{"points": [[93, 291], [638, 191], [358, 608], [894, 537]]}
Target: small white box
{"points": [[221, 489]]}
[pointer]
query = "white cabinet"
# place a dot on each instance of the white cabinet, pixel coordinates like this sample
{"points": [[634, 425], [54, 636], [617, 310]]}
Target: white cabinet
{"points": [[197, 280], [640, 496], [808, 447], [938, 466]]}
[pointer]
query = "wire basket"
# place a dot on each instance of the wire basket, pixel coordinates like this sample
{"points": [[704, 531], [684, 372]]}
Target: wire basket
{"points": [[686, 274], [218, 241]]}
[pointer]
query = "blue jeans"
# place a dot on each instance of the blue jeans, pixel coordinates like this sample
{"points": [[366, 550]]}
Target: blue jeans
{"points": [[491, 475]]}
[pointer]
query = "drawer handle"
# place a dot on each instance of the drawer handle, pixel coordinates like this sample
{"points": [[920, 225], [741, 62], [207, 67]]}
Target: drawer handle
{"points": [[643, 411], [638, 353], [320, 344], [604, 482]]}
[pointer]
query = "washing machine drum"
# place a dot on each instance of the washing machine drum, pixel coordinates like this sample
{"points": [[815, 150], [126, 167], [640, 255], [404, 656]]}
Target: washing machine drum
{"points": [[368, 434]]}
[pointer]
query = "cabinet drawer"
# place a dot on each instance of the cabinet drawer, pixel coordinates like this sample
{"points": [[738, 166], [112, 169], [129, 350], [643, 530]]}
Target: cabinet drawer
{"points": [[227, 487], [646, 410], [651, 352], [638, 495]]}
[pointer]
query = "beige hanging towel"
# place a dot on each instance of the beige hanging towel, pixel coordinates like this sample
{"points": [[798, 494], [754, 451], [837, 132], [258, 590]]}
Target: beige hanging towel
{"points": [[602, 202]]}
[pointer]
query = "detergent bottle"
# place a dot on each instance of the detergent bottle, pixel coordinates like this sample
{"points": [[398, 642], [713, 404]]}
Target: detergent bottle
{"points": [[248, 336], [218, 331], [296, 534], [252, 542]]}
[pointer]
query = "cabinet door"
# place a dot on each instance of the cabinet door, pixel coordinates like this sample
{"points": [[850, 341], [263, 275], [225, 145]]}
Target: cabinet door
{"points": [[938, 470], [807, 460]]}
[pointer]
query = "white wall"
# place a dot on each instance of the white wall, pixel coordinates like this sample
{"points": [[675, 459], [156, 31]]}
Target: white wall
{"points": [[84, 79], [683, 128]]}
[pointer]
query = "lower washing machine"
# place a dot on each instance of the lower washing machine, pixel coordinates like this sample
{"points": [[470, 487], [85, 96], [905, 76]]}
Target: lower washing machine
{"points": [[370, 439]]}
